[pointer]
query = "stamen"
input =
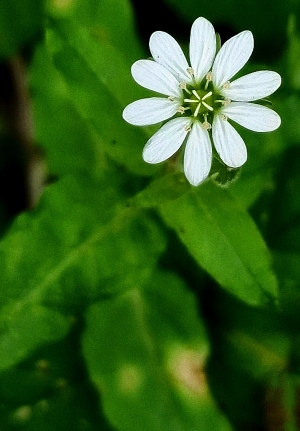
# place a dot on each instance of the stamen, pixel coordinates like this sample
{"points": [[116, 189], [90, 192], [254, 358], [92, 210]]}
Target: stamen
{"points": [[196, 94], [226, 85], [209, 78], [206, 125], [197, 110], [224, 117], [181, 110], [207, 106], [182, 85], [225, 102], [188, 128], [172, 98], [190, 70]]}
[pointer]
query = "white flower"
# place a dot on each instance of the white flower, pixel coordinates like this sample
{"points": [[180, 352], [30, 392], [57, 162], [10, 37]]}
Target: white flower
{"points": [[201, 99]]}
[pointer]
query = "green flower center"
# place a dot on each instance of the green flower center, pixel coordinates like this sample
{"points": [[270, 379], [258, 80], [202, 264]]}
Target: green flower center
{"points": [[202, 101]]}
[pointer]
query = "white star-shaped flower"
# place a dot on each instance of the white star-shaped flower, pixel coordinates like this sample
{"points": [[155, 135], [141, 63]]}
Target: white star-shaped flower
{"points": [[199, 99]]}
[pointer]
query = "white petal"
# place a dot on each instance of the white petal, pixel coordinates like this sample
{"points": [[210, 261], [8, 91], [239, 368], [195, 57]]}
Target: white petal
{"points": [[150, 111], [202, 47], [252, 116], [155, 77], [232, 56], [166, 51], [228, 143], [164, 143], [197, 155], [253, 86]]}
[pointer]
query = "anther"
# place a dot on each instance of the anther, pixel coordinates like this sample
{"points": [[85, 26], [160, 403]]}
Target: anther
{"points": [[206, 125], [181, 110], [225, 102], [190, 70], [172, 98], [188, 128], [209, 78], [226, 85], [182, 85], [224, 117]]}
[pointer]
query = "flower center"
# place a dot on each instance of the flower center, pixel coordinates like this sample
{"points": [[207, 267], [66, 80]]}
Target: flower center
{"points": [[201, 101]]}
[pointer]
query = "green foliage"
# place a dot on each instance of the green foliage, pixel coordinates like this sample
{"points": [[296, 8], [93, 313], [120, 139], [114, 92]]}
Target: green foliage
{"points": [[157, 355], [18, 25], [222, 237], [259, 16], [129, 299]]}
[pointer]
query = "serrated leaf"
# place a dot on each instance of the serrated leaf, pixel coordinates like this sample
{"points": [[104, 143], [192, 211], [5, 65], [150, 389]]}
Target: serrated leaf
{"points": [[224, 240]]}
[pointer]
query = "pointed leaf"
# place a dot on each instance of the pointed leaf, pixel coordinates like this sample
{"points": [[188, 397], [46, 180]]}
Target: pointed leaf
{"points": [[224, 240]]}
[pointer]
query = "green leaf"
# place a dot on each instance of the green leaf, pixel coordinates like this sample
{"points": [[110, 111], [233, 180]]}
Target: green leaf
{"points": [[19, 23], [284, 208], [145, 353], [72, 250], [224, 240], [66, 139], [246, 15], [26, 324], [162, 189], [98, 93], [100, 17]]}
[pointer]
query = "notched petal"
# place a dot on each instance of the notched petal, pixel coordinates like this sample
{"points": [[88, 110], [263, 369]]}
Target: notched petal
{"points": [[164, 143], [202, 47], [167, 52], [253, 117], [232, 56], [149, 111], [197, 155], [228, 143], [253, 86], [155, 77]]}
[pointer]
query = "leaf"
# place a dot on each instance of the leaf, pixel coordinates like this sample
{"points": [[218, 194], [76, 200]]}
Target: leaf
{"points": [[19, 24], [145, 353], [65, 137], [224, 240], [98, 93], [25, 325], [168, 187], [101, 19], [284, 208], [246, 15], [72, 250]]}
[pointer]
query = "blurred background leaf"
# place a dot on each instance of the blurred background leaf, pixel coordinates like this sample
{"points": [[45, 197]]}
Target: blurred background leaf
{"points": [[19, 25], [62, 256], [151, 369]]}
